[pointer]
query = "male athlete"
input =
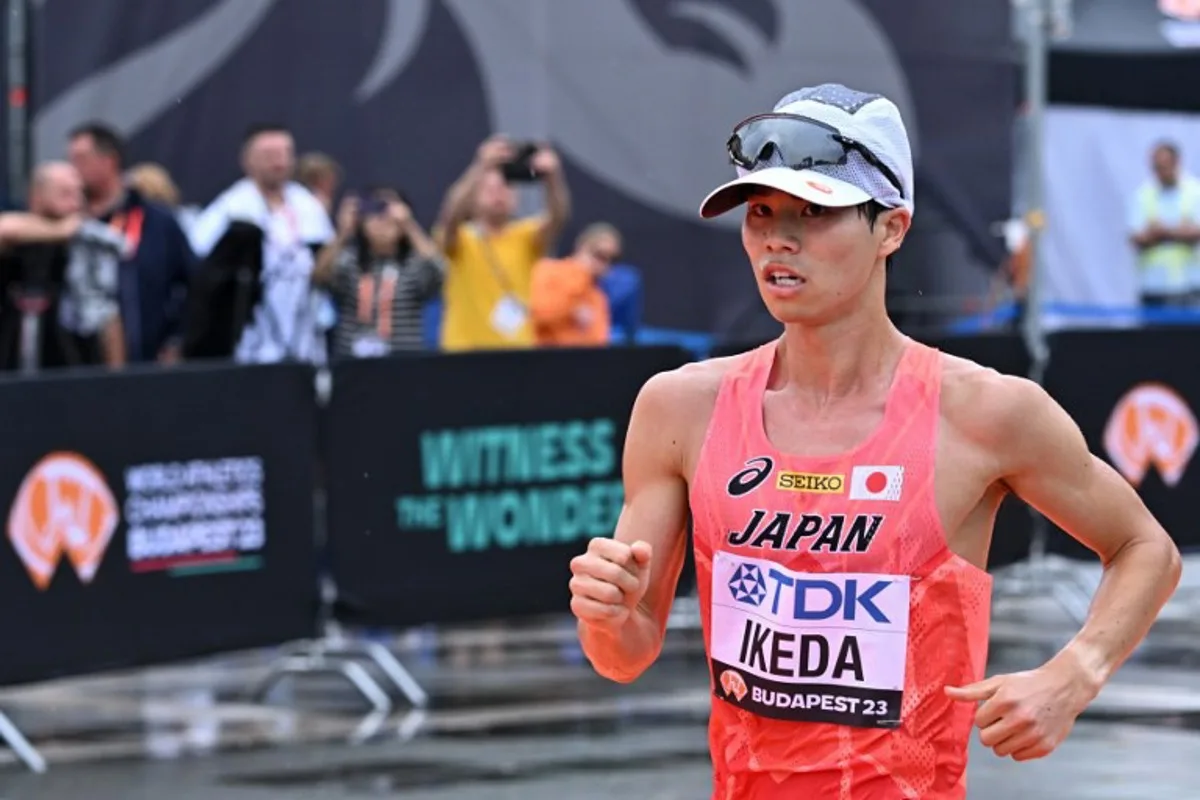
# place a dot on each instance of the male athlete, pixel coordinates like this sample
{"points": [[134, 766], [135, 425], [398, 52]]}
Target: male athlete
{"points": [[842, 482]]}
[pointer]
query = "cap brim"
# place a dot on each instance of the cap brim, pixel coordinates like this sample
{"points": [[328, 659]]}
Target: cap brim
{"points": [[805, 184]]}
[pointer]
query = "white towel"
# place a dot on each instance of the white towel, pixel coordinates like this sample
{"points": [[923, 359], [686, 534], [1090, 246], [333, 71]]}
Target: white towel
{"points": [[243, 202]]}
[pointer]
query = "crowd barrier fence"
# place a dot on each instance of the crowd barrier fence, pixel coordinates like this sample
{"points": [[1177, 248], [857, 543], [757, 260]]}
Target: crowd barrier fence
{"points": [[157, 515], [154, 516]]}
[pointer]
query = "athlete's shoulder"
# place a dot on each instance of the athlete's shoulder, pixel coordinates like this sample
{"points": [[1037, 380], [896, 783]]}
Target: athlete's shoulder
{"points": [[694, 380], [687, 393], [989, 405]]}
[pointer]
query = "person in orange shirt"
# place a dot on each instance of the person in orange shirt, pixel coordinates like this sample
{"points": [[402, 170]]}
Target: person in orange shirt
{"points": [[568, 307]]}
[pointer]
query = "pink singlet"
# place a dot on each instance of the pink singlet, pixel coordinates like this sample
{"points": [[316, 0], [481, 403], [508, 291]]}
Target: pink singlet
{"points": [[834, 612]]}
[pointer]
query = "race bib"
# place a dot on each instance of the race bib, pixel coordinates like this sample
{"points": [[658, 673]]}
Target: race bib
{"points": [[508, 315], [809, 647]]}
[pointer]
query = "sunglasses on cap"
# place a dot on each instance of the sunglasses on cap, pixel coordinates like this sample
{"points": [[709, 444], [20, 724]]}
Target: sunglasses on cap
{"points": [[801, 143]]}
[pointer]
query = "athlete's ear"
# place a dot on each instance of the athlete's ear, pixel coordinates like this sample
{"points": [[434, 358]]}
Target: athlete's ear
{"points": [[896, 223]]}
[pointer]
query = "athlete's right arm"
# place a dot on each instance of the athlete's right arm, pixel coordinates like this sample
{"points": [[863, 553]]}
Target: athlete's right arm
{"points": [[622, 588]]}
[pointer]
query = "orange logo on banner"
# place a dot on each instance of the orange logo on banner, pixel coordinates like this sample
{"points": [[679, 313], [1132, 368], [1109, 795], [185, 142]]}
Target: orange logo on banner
{"points": [[1151, 425], [1181, 9], [64, 506]]}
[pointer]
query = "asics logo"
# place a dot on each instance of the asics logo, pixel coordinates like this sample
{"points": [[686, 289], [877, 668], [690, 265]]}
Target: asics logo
{"points": [[757, 470]]}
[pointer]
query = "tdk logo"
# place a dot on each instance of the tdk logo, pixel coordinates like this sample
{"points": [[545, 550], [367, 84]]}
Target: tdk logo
{"points": [[816, 599], [747, 585]]}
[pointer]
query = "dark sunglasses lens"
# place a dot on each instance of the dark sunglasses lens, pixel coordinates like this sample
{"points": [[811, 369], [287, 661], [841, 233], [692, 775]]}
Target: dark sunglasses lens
{"points": [[799, 144]]}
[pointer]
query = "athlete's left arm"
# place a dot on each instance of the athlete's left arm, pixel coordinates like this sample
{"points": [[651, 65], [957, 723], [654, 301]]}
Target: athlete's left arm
{"points": [[1043, 458]]}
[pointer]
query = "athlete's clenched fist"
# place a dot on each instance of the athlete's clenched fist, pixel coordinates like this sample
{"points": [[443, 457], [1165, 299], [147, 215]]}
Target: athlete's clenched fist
{"points": [[608, 581]]}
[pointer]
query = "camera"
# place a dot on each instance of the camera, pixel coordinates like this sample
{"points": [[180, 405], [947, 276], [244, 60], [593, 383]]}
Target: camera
{"points": [[372, 206], [520, 168]]}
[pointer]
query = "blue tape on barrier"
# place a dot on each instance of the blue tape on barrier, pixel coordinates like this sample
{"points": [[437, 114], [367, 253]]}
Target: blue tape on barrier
{"points": [[1007, 313]]}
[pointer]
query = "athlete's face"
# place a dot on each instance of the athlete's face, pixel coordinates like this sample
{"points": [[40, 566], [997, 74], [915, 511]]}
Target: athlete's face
{"points": [[813, 262]]}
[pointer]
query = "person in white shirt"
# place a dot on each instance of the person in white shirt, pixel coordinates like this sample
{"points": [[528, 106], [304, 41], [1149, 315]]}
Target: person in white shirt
{"points": [[295, 226]]}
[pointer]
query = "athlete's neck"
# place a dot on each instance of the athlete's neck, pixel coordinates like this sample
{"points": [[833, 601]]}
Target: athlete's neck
{"points": [[853, 353]]}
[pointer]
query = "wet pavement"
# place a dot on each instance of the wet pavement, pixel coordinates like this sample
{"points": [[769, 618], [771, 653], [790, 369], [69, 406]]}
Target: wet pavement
{"points": [[515, 712]]}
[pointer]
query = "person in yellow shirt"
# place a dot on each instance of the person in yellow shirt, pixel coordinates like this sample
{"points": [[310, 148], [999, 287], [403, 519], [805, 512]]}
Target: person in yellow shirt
{"points": [[490, 256], [568, 307]]}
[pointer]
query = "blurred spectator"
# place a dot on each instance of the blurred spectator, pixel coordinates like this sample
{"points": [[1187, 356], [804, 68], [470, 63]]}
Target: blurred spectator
{"points": [[383, 268], [154, 183], [1165, 228], [294, 228], [568, 306], [59, 280], [157, 263], [622, 284], [322, 176], [490, 255], [55, 206]]}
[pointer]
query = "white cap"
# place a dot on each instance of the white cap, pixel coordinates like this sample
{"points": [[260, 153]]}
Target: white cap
{"points": [[869, 119]]}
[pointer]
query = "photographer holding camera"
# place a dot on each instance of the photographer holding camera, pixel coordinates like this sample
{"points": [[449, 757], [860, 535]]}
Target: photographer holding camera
{"points": [[490, 255]]}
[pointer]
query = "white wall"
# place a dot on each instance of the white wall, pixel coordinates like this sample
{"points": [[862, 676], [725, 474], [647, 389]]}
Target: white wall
{"points": [[1094, 161]]}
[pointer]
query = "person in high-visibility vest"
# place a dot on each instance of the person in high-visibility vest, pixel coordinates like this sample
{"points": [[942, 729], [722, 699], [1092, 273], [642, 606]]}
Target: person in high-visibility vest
{"points": [[1165, 225]]}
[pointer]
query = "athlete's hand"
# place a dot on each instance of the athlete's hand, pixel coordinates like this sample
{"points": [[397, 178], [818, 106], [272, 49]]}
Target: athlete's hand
{"points": [[1027, 715], [608, 581]]}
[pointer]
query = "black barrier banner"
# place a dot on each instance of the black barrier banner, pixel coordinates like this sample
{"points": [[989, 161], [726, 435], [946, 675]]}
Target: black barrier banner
{"points": [[461, 486], [153, 516], [1135, 394]]}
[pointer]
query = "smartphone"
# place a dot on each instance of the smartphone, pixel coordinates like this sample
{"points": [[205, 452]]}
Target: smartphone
{"points": [[520, 168], [372, 206]]}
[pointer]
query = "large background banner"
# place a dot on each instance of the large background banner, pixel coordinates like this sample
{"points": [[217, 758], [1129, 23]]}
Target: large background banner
{"points": [[461, 486], [638, 95], [154, 517], [1135, 395]]}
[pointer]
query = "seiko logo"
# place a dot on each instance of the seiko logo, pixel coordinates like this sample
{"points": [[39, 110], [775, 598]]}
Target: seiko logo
{"points": [[810, 483], [757, 470]]}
